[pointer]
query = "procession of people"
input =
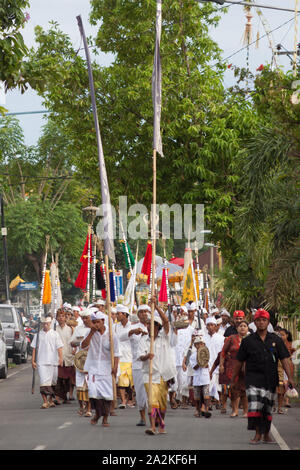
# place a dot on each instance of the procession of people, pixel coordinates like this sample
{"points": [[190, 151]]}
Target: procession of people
{"points": [[110, 362]]}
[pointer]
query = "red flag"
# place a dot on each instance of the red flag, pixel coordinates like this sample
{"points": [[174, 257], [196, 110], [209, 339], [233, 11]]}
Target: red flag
{"points": [[82, 276], [146, 268], [85, 249], [81, 280], [103, 291], [163, 296]]}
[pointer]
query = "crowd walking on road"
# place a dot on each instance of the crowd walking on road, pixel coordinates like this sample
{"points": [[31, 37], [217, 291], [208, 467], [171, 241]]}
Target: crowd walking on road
{"points": [[213, 364]]}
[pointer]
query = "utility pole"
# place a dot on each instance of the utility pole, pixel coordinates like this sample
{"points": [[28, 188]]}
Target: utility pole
{"points": [[4, 235]]}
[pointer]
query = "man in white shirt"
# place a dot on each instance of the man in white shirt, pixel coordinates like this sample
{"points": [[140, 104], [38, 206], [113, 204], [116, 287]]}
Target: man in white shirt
{"points": [[100, 304], [214, 342], [201, 380], [186, 365], [79, 333], [184, 337], [225, 315], [125, 379], [135, 333], [76, 315], [66, 372], [46, 356], [163, 369], [99, 366]]}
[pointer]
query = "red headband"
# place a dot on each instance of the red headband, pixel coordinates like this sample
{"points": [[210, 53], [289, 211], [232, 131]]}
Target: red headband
{"points": [[238, 313], [260, 313]]}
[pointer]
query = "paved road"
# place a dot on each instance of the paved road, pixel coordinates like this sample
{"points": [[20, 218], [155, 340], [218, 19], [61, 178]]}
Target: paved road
{"points": [[24, 426]]}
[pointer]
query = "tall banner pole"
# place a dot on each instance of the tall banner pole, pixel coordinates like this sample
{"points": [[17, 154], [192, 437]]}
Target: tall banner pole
{"points": [[110, 327], [94, 253], [125, 242], [152, 277], [157, 147], [40, 311], [199, 305]]}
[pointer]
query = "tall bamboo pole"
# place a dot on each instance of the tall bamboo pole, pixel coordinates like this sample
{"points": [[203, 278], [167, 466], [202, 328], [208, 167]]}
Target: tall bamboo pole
{"points": [[153, 277], [295, 39], [108, 307], [89, 264], [44, 273], [94, 254]]}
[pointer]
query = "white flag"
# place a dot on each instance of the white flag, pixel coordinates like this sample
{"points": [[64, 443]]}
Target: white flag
{"points": [[156, 84]]}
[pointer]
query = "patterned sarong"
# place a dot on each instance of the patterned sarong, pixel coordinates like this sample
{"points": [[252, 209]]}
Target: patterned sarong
{"points": [[260, 404]]}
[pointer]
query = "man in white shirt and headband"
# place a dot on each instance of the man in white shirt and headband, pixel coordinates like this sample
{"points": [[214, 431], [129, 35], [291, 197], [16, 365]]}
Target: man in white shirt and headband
{"points": [[80, 332], [214, 342], [99, 367], [184, 337], [46, 359], [135, 334], [125, 379], [163, 371]]}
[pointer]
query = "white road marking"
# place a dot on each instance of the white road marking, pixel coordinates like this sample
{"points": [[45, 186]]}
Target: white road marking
{"points": [[14, 373], [41, 447], [282, 444], [65, 425]]}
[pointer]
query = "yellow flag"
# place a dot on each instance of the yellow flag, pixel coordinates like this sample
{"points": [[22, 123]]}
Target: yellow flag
{"points": [[15, 282], [188, 292], [47, 289]]}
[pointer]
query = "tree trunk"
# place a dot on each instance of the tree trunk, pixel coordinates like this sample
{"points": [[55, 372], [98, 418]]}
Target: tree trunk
{"points": [[34, 259]]}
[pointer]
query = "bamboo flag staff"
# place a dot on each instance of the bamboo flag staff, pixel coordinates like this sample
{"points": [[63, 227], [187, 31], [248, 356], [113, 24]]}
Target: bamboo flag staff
{"points": [[89, 264], [114, 282], [107, 216], [94, 254], [100, 248], [157, 147], [43, 275], [129, 257], [165, 279], [199, 303], [134, 282], [108, 235], [206, 289], [110, 327], [40, 310], [295, 39]]}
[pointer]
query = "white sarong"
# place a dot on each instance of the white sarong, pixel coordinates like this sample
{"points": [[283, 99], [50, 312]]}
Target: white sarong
{"points": [[100, 387], [47, 375], [140, 391]]}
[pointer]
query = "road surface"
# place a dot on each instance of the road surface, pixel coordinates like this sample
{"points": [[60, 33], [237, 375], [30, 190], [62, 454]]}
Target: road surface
{"points": [[24, 426]]}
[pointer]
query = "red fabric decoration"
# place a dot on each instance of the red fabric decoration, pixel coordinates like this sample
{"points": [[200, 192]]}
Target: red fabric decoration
{"points": [[85, 249], [146, 268], [261, 313], [238, 313], [163, 296], [103, 291], [81, 280]]}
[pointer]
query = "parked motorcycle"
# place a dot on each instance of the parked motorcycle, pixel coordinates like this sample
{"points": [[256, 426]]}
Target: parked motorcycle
{"points": [[30, 332]]}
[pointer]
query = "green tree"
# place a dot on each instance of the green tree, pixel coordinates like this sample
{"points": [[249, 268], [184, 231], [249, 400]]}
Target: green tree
{"points": [[202, 124], [263, 266], [13, 50], [43, 196]]}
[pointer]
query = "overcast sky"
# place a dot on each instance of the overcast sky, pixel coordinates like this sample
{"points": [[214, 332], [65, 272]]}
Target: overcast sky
{"points": [[228, 34]]}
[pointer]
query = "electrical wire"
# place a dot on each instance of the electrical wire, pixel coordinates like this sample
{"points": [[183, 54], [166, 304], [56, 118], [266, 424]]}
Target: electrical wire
{"points": [[253, 42]]}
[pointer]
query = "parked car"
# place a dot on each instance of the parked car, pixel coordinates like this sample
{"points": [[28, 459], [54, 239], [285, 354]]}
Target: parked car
{"points": [[16, 341], [3, 354]]}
